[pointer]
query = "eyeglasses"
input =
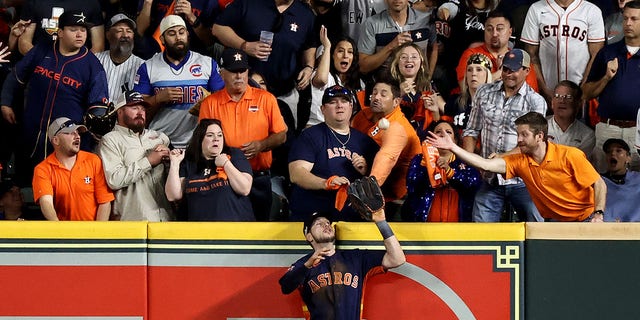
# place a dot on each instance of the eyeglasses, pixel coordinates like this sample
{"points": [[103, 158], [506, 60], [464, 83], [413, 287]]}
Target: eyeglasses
{"points": [[337, 91], [405, 57], [66, 124], [563, 96]]}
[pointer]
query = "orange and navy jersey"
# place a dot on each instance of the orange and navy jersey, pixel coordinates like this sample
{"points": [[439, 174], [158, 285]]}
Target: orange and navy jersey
{"points": [[334, 288]]}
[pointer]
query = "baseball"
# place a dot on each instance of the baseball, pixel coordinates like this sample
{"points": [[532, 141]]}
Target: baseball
{"points": [[383, 124]]}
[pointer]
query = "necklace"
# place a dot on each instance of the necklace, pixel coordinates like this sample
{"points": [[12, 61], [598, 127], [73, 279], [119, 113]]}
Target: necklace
{"points": [[340, 141], [176, 72]]}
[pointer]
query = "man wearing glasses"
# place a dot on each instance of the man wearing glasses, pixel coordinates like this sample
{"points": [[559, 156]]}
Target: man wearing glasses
{"points": [[70, 184], [494, 110], [564, 128]]}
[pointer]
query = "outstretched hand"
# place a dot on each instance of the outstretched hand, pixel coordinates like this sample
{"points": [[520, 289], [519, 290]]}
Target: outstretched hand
{"points": [[439, 142]]}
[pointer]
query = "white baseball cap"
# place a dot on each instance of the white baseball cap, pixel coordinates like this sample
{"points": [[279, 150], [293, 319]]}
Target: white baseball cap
{"points": [[171, 21]]}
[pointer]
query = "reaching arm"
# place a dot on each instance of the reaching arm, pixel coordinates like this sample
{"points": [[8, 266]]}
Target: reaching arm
{"points": [[48, 210], [395, 255], [497, 165], [469, 143], [393, 142], [144, 17], [321, 77]]}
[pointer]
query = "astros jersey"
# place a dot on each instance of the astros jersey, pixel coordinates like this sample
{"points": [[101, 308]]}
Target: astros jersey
{"points": [[563, 37], [58, 86], [331, 154], [333, 289], [194, 73]]}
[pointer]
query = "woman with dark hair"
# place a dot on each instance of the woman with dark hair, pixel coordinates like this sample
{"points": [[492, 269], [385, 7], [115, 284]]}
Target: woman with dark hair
{"points": [[337, 64], [215, 179], [441, 188]]}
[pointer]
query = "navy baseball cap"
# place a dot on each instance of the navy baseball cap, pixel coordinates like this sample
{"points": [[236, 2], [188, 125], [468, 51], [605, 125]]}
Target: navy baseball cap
{"points": [[336, 91], [309, 222], [516, 59], [73, 18], [234, 60], [610, 142]]}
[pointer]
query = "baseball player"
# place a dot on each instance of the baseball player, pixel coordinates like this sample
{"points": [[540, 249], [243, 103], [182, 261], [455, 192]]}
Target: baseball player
{"points": [[562, 37], [331, 280]]}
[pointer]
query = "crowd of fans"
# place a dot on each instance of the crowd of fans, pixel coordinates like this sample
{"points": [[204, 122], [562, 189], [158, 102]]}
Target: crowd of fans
{"points": [[266, 110]]}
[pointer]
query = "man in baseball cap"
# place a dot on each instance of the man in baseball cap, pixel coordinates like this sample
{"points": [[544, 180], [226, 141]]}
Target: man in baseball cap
{"points": [[121, 17], [516, 59], [331, 280], [234, 60], [309, 223], [64, 125], [135, 152], [70, 184], [119, 62], [73, 18], [623, 185]]}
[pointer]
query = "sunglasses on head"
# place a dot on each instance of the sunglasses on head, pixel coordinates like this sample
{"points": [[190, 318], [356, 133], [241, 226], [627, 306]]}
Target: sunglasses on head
{"points": [[337, 91], [66, 124]]}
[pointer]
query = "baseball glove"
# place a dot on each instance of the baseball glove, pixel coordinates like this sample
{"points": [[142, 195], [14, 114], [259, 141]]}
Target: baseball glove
{"points": [[366, 197]]}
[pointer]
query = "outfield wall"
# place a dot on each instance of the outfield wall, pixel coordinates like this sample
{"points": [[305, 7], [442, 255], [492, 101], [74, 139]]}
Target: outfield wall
{"points": [[138, 270]]}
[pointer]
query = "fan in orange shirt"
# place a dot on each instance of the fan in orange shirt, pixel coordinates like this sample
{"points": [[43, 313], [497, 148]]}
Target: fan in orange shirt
{"points": [[399, 143]]}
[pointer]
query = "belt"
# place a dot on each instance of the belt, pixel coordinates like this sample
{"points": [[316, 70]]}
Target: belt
{"points": [[619, 123], [262, 173]]}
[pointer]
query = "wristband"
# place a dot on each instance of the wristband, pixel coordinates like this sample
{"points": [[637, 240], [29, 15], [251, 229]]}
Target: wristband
{"points": [[328, 185], [385, 229], [308, 66], [196, 23]]}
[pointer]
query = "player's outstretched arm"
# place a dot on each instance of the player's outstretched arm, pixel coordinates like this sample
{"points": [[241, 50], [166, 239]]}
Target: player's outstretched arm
{"points": [[395, 255]]}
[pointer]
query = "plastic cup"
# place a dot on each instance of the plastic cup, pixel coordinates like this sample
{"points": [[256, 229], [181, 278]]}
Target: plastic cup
{"points": [[266, 37]]}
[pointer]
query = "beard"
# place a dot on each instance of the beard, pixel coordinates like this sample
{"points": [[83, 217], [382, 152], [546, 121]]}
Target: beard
{"points": [[124, 47], [136, 125], [176, 53], [324, 239]]}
